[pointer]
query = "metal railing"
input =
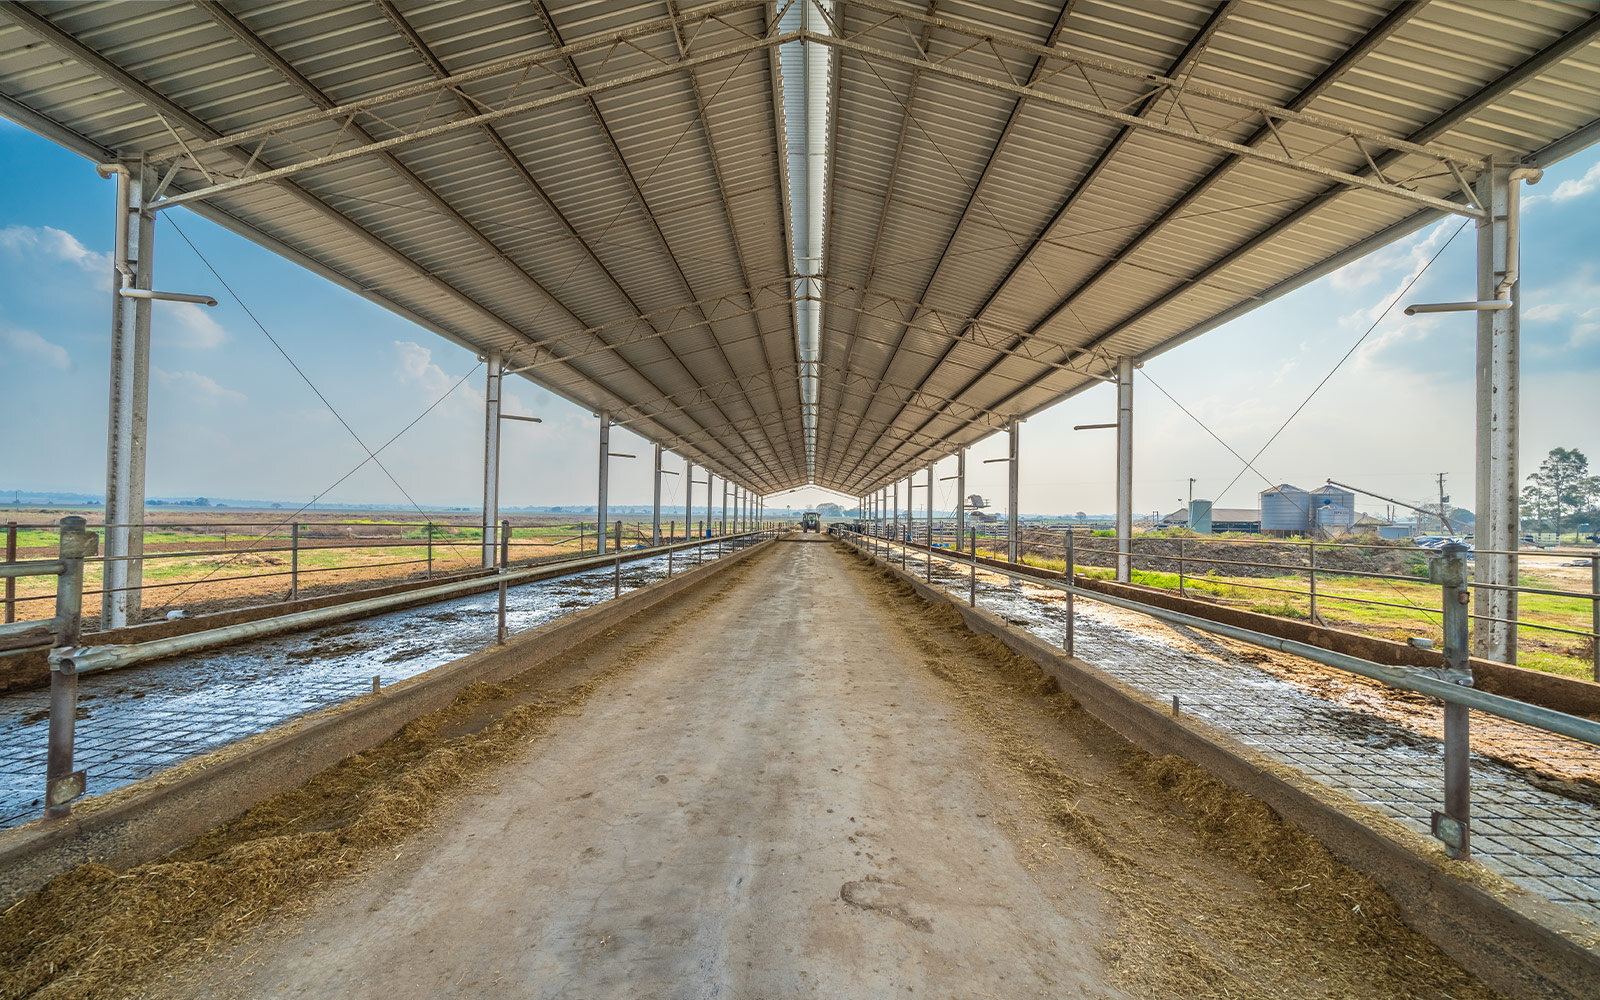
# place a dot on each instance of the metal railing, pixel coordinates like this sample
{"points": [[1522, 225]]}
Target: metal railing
{"points": [[75, 544], [1198, 566], [296, 554], [68, 659], [1452, 685]]}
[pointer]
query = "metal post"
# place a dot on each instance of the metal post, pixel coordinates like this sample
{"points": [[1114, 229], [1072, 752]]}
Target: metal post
{"points": [[1182, 590], [1013, 522], [294, 561], [430, 550], [583, 541], [62, 784], [1453, 826], [1072, 581], [505, 543], [930, 524], [699, 547], [655, 520], [1498, 528], [972, 583], [605, 481], [1124, 469], [724, 511], [500, 633], [674, 531], [1594, 626], [491, 455], [688, 498], [11, 581], [133, 253], [1313, 575], [961, 496]]}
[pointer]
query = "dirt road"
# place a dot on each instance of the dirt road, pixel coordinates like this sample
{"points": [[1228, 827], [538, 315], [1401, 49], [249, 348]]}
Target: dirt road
{"points": [[807, 785]]}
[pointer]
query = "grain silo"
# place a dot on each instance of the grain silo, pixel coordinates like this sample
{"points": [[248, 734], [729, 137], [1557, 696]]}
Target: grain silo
{"points": [[1285, 510], [1333, 510]]}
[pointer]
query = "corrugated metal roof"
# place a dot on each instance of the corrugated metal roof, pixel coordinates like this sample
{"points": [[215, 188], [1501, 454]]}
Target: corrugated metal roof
{"points": [[1017, 192]]}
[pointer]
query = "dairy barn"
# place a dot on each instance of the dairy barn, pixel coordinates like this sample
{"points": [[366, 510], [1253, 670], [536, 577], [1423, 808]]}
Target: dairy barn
{"points": [[827, 243]]}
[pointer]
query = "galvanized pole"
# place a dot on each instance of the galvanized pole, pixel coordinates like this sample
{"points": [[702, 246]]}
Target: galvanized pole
{"points": [[505, 543], [1497, 532], [724, 511], [1453, 826], [616, 573], [930, 524], [294, 561], [699, 548], [1313, 574], [128, 416], [655, 520], [605, 482], [62, 784], [500, 629], [1072, 581], [11, 581], [1594, 625], [430, 550], [1124, 469], [961, 496], [972, 583], [1013, 486], [1182, 590], [688, 498], [491, 455]]}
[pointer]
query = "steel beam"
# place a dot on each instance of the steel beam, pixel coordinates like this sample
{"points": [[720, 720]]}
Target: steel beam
{"points": [[491, 456], [605, 480], [128, 416], [1124, 469], [1013, 488], [1497, 532]]}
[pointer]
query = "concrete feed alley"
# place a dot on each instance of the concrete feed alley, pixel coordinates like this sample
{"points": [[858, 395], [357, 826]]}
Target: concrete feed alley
{"points": [[801, 781]]}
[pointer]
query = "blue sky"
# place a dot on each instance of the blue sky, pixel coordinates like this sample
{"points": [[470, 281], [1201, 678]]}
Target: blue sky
{"points": [[230, 417]]}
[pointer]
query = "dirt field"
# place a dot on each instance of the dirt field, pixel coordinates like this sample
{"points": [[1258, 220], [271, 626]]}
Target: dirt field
{"points": [[798, 781]]}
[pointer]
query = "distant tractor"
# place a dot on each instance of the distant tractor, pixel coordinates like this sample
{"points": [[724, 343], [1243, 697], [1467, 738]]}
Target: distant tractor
{"points": [[811, 521]]}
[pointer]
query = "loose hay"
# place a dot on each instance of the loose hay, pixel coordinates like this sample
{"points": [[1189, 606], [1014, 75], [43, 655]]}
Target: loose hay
{"points": [[1215, 894], [98, 933]]}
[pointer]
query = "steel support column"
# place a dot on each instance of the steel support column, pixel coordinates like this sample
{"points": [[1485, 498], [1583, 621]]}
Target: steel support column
{"points": [[605, 479], [1499, 518], [961, 497], [491, 458], [655, 520], [688, 499], [128, 417], [930, 514], [1013, 549], [1124, 469], [724, 506]]}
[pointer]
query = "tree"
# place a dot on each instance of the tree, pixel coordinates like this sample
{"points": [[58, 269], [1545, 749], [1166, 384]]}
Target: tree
{"points": [[1562, 483]]}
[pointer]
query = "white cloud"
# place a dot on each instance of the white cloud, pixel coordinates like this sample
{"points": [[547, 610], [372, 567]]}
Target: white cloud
{"points": [[1544, 311], [1569, 190], [197, 387], [26, 342], [184, 324], [56, 244]]}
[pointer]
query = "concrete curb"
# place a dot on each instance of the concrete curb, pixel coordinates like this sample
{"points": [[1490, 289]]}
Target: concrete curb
{"points": [[1517, 942], [148, 818]]}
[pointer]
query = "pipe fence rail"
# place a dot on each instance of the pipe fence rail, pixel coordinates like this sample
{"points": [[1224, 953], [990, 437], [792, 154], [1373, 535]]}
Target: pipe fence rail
{"points": [[1197, 565], [293, 550], [1451, 685], [76, 546]]}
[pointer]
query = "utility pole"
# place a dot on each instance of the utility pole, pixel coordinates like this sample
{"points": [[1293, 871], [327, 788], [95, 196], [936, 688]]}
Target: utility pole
{"points": [[1444, 515], [1191, 491]]}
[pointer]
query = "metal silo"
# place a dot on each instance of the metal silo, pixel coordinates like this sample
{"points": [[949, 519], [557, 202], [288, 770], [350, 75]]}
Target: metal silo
{"points": [[1335, 509], [1285, 509], [1200, 517]]}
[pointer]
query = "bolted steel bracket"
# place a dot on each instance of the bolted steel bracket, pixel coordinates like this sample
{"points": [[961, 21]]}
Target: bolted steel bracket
{"points": [[64, 789], [1454, 833]]}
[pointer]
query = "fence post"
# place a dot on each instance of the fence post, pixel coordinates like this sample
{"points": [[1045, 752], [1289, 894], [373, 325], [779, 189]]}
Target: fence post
{"points": [[1453, 825], [62, 783], [972, 584], [430, 550], [11, 581], [1182, 589], [294, 561], [1314, 618], [505, 543], [1072, 581], [1594, 627], [699, 548], [580, 538], [500, 633]]}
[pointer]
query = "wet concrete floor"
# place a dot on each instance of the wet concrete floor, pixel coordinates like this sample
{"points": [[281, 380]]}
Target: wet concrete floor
{"points": [[140, 720], [1544, 841]]}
